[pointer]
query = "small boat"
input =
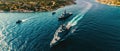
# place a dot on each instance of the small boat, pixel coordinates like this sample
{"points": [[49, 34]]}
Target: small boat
{"points": [[65, 15], [18, 22], [53, 13]]}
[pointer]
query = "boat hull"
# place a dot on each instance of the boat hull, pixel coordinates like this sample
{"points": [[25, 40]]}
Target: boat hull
{"points": [[63, 18]]}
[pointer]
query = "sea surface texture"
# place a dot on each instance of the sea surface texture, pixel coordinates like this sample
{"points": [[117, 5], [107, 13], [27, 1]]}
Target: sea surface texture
{"points": [[95, 27]]}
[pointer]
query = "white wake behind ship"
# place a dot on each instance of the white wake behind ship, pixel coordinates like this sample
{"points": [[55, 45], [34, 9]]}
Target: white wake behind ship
{"points": [[64, 29]]}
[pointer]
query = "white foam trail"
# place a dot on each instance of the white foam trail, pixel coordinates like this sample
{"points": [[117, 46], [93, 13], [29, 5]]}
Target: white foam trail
{"points": [[27, 19], [58, 36], [23, 20], [75, 20]]}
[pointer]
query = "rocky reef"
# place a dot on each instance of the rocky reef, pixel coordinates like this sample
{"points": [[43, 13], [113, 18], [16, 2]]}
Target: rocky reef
{"points": [[32, 5], [110, 2]]}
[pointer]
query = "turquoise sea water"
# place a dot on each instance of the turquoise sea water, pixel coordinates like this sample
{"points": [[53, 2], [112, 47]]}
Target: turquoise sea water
{"points": [[34, 33], [98, 30]]}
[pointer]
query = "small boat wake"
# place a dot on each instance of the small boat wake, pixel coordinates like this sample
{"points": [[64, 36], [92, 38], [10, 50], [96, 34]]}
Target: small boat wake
{"points": [[27, 19], [24, 20], [4, 32], [64, 30]]}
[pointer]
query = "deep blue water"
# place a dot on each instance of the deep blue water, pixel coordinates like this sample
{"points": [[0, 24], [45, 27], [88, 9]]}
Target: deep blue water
{"points": [[98, 30]]}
